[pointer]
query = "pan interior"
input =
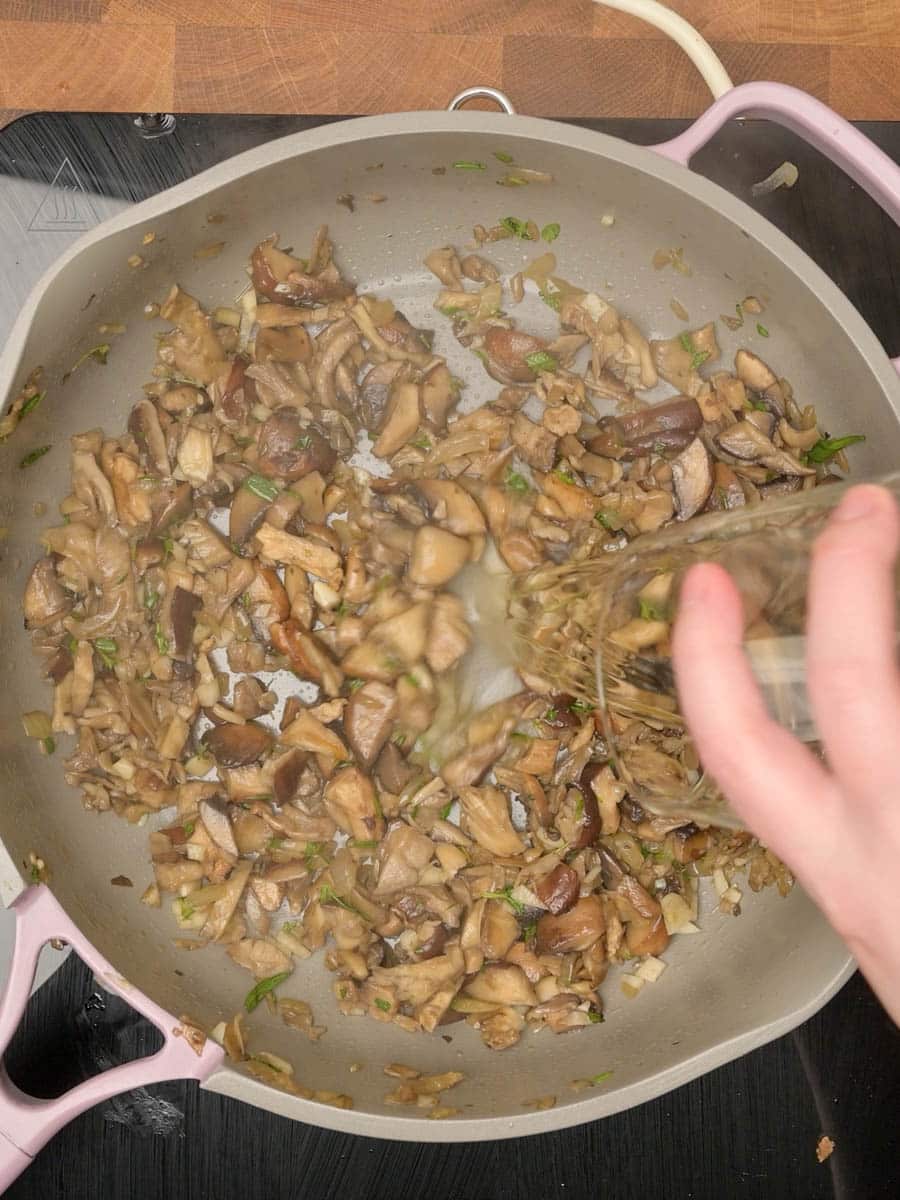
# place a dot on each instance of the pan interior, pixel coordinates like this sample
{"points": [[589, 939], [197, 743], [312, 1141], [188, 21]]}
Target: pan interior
{"points": [[732, 986]]}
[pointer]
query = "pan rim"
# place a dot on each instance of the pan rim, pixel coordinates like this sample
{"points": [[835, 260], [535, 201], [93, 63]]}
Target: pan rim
{"points": [[227, 1080]]}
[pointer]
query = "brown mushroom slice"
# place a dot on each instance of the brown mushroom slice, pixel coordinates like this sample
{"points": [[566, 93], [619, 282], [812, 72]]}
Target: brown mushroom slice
{"points": [[195, 350], [647, 376], [45, 600], [645, 928], [307, 732], [578, 929], [308, 658], [727, 492], [451, 506], [183, 612], [144, 426], [437, 555], [237, 745], [478, 269], [283, 345], [659, 429], [558, 889], [351, 803], [218, 826], [374, 392], [578, 818], [746, 442], [501, 984], [487, 820], [753, 372], [535, 444], [426, 987], [449, 636], [499, 930], [222, 910], [692, 477], [392, 770], [286, 774], [401, 419], [402, 855], [289, 448], [260, 956], [797, 439], [283, 278], [506, 351], [368, 719], [170, 506]]}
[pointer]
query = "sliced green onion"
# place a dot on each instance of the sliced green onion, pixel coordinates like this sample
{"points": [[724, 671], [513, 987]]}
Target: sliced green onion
{"points": [[262, 989], [264, 488], [33, 455], [550, 232]]}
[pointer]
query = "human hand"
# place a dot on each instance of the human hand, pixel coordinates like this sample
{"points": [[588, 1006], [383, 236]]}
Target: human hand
{"points": [[835, 824]]}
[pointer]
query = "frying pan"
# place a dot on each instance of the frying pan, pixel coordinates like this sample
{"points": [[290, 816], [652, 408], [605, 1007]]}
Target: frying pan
{"points": [[733, 987]]}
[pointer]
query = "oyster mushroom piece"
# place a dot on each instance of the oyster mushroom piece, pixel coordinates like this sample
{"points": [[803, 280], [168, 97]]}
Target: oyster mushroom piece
{"points": [[368, 719], [748, 443], [223, 909], [451, 506], [692, 476], [487, 820], [402, 855], [427, 987], [351, 803], [578, 929], [374, 391], [310, 555], [499, 930], [445, 264], [436, 557], [144, 426], [753, 372], [45, 598], [449, 636], [260, 956], [401, 419], [218, 826], [501, 984], [558, 889]]}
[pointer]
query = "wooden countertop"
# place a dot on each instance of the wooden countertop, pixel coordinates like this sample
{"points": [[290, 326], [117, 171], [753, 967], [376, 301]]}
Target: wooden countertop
{"points": [[554, 57]]}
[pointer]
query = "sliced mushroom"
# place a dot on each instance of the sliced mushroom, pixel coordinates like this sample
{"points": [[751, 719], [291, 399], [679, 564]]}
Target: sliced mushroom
{"points": [[351, 802], [306, 553], [558, 889], [578, 929], [487, 819], [535, 444], [744, 441], [445, 264], [184, 615], [499, 930], [727, 492], [281, 277], [502, 984], [692, 477], [451, 506], [401, 419], [753, 372], [237, 745], [392, 769], [437, 556], [402, 855], [171, 506], [144, 426], [218, 826], [505, 353], [369, 718], [45, 598], [283, 345], [290, 448], [374, 391], [660, 429]]}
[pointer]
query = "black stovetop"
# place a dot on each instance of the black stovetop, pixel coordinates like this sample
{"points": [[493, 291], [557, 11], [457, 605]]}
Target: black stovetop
{"points": [[747, 1130]]}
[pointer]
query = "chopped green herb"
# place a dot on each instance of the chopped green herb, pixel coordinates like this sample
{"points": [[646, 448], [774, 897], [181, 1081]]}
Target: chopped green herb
{"points": [[516, 227], [303, 442], [168, 547], [602, 519], [758, 405], [362, 844], [275, 843], [379, 811], [162, 642], [107, 648], [551, 714], [188, 827], [327, 895], [411, 679], [35, 873], [512, 181], [99, 354], [699, 359], [264, 488], [529, 932], [33, 455], [595, 1018], [550, 232], [289, 927], [451, 310], [445, 811], [71, 644], [355, 684], [541, 360], [506, 894], [826, 448], [421, 443], [502, 156], [385, 1005], [32, 402], [398, 739], [463, 164], [186, 910], [514, 482], [564, 475], [551, 299], [650, 612], [344, 762], [581, 707], [601, 1078], [312, 849], [262, 989], [579, 807], [761, 329], [342, 609], [49, 745], [686, 342]]}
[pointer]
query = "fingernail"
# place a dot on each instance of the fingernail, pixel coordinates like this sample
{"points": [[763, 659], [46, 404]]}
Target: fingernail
{"points": [[859, 503]]}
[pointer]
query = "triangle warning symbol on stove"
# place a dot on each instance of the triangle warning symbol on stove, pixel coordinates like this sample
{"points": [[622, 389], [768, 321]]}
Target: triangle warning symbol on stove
{"points": [[66, 206]]}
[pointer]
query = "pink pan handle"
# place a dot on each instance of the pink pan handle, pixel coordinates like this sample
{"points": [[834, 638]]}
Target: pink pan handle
{"points": [[815, 122], [26, 1124]]}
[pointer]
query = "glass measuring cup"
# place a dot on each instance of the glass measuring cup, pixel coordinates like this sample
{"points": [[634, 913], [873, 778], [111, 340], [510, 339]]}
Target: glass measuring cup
{"points": [[601, 629]]}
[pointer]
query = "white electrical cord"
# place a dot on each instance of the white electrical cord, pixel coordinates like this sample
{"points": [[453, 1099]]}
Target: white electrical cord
{"points": [[681, 31]]}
